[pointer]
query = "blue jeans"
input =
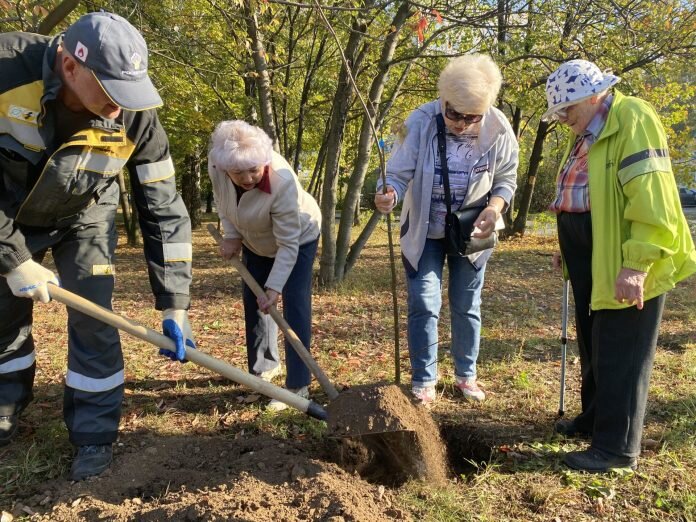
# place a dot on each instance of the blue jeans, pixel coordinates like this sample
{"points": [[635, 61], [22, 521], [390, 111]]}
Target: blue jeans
{"points": [[424, 303], [261, 330]]}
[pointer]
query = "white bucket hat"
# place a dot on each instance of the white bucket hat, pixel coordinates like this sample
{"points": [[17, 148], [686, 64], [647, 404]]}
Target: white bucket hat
{"points": [[573, 82]]}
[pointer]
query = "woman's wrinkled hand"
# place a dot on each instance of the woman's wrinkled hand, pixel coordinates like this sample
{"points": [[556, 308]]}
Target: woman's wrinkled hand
{"points": [[484, 225], [230, 248], [265, 302], [629, 287], [385, 202]]}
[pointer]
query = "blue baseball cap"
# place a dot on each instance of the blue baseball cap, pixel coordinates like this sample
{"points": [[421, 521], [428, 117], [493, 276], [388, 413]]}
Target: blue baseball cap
{"points": [[116, 53]]}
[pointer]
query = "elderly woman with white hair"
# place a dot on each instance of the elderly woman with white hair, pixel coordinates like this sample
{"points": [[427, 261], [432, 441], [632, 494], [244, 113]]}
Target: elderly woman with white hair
{"points": [[268, 217], [480, 155]]}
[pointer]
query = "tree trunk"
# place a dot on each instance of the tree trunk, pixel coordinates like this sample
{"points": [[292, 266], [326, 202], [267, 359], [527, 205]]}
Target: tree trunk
{"points": [[191, 188], [209, 202], [134, 222], [357, 177], [341, 103], [312, 67], [128, 220], [250, 92], [263, 81], [360, 243], [534, 161], [290, 45], [56, 16], [315, 181]]}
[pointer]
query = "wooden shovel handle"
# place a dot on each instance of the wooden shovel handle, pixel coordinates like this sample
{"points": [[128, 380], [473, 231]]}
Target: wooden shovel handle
{"points": [[289, 333], [200, 358]]}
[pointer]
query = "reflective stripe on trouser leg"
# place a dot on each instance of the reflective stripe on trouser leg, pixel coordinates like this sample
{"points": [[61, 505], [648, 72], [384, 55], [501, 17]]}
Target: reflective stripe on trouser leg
{"points": [[17, 359], [94, 382]]}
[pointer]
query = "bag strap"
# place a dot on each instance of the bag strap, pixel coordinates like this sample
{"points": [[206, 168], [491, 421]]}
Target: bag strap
{"points": [[442, 149]]}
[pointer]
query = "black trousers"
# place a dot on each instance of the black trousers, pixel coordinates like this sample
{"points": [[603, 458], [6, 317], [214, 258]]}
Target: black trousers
{"points": [[617, 349]]}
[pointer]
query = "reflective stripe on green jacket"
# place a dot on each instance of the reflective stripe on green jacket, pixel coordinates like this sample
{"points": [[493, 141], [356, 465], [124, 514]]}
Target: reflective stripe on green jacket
{"points": [[637, 221]]}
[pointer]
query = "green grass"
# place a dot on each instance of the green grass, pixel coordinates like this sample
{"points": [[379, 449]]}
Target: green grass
{"points": [[353, 342]]}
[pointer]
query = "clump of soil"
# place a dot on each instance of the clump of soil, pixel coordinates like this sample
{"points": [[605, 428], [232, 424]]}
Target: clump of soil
{"points": [[403, 440], [216, 478]]}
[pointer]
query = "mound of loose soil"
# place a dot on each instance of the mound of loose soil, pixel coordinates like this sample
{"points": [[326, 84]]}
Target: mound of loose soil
{"points": [[214, 478], [402, 437]]}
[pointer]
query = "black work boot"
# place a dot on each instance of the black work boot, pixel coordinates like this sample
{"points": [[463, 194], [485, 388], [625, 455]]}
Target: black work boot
{"points": [[595, 461], [90, 461], [9, 424]]}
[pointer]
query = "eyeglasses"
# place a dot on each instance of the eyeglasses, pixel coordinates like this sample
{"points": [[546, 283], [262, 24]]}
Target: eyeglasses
{"points": [[453, 115], [560, 114]]}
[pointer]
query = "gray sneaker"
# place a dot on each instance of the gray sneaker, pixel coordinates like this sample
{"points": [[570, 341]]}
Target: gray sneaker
{"points": [[91, 461], [271, 374], [276, 405], [9, 424]]}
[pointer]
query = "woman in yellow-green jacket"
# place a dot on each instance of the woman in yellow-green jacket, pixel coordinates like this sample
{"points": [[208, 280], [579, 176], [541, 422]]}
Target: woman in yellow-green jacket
{"points": [[624, 243]]}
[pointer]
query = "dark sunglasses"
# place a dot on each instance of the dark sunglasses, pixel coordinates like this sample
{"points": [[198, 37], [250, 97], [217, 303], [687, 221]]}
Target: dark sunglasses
{"points": [[453, 115]]}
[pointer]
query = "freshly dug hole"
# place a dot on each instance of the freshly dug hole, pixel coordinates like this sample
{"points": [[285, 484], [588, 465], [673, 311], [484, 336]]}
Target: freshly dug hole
{"points": [[402, 438]]}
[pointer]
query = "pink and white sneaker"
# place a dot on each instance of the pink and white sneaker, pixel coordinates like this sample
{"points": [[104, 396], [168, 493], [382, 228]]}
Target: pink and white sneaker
{"points": [[470, 389], [425, 394]]}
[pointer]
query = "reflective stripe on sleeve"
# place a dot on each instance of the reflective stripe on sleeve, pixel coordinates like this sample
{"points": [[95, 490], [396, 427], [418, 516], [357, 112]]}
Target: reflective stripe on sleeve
{"points": [[20, 363], [648, 160], [177, 252], [89, 384], [153, 172]]}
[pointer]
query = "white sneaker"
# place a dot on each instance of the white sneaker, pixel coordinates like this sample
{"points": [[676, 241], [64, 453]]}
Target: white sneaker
{"points": [[271, 374], [470, 389], [276, 405], [425, 394]]}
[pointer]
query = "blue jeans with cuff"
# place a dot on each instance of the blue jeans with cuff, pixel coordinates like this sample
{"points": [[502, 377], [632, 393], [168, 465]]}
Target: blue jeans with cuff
{"points": [[424, 303]]}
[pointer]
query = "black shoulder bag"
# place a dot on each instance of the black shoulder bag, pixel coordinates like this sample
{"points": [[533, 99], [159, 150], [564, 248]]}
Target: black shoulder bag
{"points": [[459, 224]]}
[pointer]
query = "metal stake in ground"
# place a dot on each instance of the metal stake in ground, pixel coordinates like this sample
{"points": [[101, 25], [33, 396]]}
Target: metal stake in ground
{"points": [[564, 345]]}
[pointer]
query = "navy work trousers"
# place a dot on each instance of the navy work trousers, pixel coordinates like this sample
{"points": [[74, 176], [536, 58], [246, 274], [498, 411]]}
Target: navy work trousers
{"points": [[84, 257], [261, 330]]}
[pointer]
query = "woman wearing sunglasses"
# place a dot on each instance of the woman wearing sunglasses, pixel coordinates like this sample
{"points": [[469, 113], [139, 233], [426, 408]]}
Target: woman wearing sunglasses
{"points": [[481, 156]]}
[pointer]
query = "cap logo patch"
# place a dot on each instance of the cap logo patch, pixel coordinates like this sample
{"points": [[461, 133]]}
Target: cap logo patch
{"points": [[136, 60], [81, 51]]}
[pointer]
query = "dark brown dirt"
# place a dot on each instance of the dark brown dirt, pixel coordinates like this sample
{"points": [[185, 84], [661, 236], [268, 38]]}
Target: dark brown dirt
{"points": [[214, 478], [403, 440]]}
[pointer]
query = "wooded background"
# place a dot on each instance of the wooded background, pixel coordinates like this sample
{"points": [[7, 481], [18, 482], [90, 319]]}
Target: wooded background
{"points": [[277, 64]]}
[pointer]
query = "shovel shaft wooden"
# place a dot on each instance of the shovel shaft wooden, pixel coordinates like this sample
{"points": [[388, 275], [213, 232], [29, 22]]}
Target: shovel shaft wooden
{"points": [[289, 333], [200, 358]]}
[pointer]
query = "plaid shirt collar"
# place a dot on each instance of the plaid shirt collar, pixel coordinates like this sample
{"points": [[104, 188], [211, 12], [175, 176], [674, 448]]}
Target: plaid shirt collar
{"points": [[596, 125]]}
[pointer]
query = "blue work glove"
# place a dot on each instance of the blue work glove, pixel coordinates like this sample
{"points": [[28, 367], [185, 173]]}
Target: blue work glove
{"points": [[175, 325]]}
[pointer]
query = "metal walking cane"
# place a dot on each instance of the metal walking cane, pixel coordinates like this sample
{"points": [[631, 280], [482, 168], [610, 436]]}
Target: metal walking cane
{"points": [[564, 345]]}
